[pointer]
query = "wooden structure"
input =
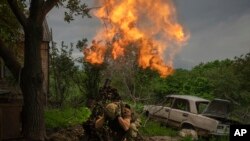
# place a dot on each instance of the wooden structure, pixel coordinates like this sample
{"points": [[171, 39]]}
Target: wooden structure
{"points": [[10, 115], [11, 101], [47, 38], [44, 57]]}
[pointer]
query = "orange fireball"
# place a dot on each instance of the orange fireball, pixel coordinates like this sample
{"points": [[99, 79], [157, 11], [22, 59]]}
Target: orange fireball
{"points": [[151, 24]]}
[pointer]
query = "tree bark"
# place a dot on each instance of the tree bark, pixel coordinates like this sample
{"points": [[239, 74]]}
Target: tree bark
{"points": [[31, 74], [10, 60], [31, 84]]}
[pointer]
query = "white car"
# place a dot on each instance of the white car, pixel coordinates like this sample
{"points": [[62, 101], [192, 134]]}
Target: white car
{"points": [[191, 112]]}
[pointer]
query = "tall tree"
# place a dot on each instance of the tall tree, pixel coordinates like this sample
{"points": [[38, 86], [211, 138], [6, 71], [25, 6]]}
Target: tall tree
{"points": [[62, 69], [31, 76], [89, 78]]}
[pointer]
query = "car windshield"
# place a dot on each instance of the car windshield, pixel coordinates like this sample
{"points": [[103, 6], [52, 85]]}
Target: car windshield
{"points": [[201, 106], [219, 108]]}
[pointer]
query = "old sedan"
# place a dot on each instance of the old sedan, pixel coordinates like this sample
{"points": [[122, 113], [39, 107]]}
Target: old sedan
{"points": [[191, 112]]}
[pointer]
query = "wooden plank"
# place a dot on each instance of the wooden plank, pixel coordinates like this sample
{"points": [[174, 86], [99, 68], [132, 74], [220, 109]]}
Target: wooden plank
{"points": [[11, 123]]}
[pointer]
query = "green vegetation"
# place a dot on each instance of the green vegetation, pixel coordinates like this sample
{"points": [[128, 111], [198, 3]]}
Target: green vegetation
{"points": [[153, 128], [214, 138], [60, 118], [226, 79]]}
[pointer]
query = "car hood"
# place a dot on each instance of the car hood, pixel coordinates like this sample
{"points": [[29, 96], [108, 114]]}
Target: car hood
{"points": [[218, 108]]}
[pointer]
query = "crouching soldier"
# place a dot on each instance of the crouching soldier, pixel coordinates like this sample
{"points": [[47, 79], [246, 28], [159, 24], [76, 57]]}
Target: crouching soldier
{"points": [[117, 120]]}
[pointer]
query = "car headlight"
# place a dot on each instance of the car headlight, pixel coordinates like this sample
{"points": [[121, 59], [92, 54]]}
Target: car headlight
{"points": [[222, 129]]}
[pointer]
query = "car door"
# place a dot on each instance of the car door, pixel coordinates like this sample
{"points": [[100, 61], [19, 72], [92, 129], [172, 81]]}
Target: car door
{"points": [[179, 112], [162, 112]]}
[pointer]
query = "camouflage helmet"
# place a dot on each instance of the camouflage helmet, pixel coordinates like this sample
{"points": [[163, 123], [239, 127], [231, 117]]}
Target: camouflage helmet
{"points": [[111, 110]]}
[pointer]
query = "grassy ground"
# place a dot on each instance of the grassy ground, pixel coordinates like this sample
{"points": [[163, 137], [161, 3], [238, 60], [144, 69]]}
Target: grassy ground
{"points": [[61, 118], [153, 128]]}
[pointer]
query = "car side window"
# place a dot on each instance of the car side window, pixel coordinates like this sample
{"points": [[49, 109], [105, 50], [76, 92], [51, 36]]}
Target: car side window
{"points": [[181, 104], [168, 102]]}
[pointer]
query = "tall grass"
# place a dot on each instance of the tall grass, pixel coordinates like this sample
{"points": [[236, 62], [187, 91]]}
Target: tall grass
{"points": [[60, 118], [154, 128]]}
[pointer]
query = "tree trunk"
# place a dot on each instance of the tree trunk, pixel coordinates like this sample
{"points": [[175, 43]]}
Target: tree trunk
{"points": [[31, 85]]}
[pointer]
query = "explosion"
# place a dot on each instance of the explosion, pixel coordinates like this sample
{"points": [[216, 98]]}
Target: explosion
{"points": [[150, 24]]}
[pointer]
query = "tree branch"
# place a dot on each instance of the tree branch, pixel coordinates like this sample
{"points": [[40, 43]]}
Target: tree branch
{"points": [[18, 12], [48, 5], [10, 60]]}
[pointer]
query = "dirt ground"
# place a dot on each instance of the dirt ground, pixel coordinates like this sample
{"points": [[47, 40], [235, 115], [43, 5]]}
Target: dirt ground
{"points": [[77, 132], [162, 138]]}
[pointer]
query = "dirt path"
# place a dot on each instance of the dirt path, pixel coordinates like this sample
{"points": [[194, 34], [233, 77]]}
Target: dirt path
{"points": [[75, 133]]}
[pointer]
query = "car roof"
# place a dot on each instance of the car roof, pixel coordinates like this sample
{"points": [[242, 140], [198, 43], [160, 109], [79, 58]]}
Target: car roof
{"points": [[188, 97]]}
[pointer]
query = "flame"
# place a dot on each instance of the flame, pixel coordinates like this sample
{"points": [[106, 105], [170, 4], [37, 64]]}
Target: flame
{"points": [[118, 50], [95, 54], [151, 24]]}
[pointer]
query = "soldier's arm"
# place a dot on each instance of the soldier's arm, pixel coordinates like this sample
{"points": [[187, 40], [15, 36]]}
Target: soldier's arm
{"points": [[99, 122], [124, 122]]}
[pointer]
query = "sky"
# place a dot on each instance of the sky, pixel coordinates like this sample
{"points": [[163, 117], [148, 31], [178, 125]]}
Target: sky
{"points": [[219, 29]]}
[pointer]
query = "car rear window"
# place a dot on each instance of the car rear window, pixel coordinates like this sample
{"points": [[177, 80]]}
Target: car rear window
{"points": [[168, 102], [181, 104]]}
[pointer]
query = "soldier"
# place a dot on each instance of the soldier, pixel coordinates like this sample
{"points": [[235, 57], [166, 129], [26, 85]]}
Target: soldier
{"points": [[117, 120]]}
